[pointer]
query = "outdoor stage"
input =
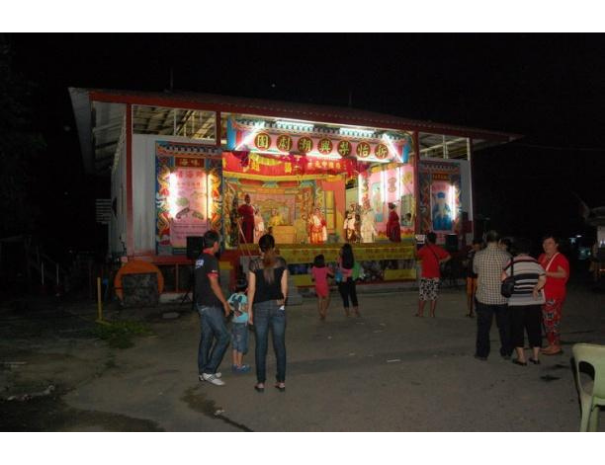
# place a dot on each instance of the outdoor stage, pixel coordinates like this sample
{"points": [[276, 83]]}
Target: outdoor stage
{"points": [[380, 262]]}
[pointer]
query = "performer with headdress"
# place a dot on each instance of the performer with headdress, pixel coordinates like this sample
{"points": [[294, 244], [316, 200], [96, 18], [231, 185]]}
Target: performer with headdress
{"points": [[393, 226], [259, 225], [352, 225], [246, 219], [318, 232], [368, 230]]}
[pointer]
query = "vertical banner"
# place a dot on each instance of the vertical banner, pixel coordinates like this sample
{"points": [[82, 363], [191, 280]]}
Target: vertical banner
{"points": [[188, 196], [440, 202]]}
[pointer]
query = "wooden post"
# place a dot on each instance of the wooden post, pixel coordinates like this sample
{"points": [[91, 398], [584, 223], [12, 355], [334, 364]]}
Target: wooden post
{"points": [[99, 301]]}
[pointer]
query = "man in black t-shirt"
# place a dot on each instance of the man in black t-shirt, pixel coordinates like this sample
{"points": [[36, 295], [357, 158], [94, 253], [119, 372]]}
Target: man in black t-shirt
{"points": [[213, 308]]}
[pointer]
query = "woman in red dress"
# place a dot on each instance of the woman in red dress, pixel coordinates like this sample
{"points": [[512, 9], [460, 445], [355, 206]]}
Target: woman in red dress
{"points": [[557, 274], [393, 226]]}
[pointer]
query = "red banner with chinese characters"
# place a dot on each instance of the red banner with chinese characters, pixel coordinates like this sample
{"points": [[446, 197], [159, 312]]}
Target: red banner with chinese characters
{"points": [[288, 165], [268, 141]]}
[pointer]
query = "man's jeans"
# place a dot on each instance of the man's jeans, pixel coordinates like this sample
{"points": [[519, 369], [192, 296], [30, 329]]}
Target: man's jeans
{"points": [[485, 314], [268, 314], [212, 321]]}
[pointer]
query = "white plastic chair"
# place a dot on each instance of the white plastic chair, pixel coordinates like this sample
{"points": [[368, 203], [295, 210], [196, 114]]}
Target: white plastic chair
{"points": [[593, 355]]}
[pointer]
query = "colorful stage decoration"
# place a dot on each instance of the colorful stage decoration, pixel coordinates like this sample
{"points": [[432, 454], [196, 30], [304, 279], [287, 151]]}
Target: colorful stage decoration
{"points": [[287, 138], [188, 194], [382, 185], [440, 202], [283, 207]]}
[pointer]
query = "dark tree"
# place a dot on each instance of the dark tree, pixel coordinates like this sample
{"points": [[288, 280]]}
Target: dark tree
{"points": [[20, 144]]}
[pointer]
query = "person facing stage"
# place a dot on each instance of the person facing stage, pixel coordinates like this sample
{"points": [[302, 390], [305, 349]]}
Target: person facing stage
{"points": [[246, 219]]}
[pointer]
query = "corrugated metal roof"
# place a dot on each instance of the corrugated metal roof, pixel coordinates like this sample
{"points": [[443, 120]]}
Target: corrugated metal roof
{"points": [[303, 111], [82, 100]]}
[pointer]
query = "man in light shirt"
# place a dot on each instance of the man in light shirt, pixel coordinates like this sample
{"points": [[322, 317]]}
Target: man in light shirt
{"points": [[488, 265]]}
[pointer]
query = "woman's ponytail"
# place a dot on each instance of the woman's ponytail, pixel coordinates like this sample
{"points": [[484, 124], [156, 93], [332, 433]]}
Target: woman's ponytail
{"points": [[267, 246]]}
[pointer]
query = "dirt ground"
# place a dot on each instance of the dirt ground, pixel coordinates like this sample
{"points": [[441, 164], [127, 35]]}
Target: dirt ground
{"points": [[386, 371]]}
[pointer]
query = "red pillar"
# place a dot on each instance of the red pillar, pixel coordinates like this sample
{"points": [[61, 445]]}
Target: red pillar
{"points": [[416, 183]]}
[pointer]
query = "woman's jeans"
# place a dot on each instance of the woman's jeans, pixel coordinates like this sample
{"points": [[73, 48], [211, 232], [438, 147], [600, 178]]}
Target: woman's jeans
{"points": [[212, 321], [268, 315]]}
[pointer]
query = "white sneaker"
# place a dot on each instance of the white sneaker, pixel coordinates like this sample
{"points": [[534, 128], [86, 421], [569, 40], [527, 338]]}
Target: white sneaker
{"points": [[218, 374], [212, 379]]}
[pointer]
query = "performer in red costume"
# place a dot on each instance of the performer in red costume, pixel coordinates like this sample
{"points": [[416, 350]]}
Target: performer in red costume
{"points": [[246, 218], [393, 227], [318, 233]]}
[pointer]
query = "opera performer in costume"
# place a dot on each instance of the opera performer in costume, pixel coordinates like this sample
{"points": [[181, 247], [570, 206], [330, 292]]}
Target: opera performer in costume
{"points": [[318, 232], [276, 219], [352, 225], [246, 219], [259, 225], [300, 224], [368, 230], [393, 226]]}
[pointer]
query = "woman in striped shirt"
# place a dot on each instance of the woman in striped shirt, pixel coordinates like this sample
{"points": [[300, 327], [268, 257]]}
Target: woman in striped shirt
{"points": [[525, 302]]}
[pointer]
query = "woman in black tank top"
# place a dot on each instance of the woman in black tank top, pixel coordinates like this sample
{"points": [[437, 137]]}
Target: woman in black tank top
{"points": [[267, 291]]}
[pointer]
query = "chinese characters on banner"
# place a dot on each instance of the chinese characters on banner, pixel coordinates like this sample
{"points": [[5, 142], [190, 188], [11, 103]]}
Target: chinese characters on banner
{"points": [[265, 141]]}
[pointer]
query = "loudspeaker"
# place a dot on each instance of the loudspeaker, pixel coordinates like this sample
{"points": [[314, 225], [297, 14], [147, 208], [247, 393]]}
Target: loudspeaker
{"points": [[451, 243], [195, 246]]}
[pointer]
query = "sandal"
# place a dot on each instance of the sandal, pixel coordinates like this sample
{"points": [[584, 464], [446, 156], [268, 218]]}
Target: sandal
{"points": [[281, 387], [534, 361], [517, 362], [260, 387]]}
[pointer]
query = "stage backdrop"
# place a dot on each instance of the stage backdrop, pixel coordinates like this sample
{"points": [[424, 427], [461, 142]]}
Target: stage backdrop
{"points": [[384, 184], [293, 200], [188, 195], [440, 197]]}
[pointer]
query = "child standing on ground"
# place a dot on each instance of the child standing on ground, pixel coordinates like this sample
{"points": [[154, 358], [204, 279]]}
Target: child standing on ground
{"points": [[239, 326], [320, 273]]}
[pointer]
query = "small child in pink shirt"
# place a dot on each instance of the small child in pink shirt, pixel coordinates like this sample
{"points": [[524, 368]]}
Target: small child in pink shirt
{"points": [[320, 273]]}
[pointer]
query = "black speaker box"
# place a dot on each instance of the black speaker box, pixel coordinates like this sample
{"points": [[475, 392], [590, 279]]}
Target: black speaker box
{"points": [[451, 243], [195, 246]]}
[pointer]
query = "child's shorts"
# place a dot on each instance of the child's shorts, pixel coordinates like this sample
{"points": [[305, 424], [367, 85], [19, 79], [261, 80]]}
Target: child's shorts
{"points": [[239, 337]]}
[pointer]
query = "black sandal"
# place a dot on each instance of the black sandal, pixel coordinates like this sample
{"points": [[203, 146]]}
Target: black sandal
{"points": [[260, 387], [534, 361], [517, 362]]}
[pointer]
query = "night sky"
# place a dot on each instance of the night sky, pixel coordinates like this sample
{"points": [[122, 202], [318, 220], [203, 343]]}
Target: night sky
{"points": [[550, 88]]}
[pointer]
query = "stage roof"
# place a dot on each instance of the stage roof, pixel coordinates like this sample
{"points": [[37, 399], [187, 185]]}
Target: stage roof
{"points": [[100, 118]]}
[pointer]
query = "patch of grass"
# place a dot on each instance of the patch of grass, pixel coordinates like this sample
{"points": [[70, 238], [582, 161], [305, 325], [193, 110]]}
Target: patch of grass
{"points": [[120, 334]]}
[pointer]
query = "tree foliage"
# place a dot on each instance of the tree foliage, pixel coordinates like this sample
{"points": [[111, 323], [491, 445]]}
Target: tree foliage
{"points": [[20, 145]]}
